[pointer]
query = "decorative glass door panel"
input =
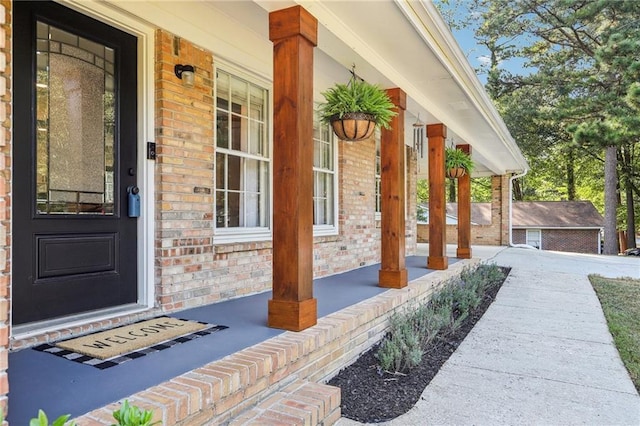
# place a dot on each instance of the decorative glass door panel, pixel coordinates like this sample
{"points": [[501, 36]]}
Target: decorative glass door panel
{"points": [[74, 95]]}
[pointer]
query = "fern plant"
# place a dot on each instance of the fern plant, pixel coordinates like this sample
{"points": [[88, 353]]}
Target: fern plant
{"points": [[357, 96], [456, 158]]}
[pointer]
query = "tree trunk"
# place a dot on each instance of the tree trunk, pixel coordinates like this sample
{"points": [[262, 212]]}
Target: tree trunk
{"points": [[610, 202], [627, 166], [452, 191], [517, 190], [631, 216], [571, 176]]}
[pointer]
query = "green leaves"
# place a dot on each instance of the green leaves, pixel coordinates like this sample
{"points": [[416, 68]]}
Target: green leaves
{"points": [[42, 420], [633, 96], [357, 96], [127, 415], [130, 415], [454, 158]]}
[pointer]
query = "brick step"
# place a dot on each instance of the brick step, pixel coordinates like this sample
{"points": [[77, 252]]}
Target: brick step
{"points": [[300, 403]]}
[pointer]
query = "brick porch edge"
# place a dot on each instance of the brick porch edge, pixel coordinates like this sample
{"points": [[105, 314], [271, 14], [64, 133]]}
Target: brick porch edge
{"points": [[289, 365]]}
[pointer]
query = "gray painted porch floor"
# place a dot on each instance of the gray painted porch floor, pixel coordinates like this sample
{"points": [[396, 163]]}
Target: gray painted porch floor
{"points": [[39, 380]]}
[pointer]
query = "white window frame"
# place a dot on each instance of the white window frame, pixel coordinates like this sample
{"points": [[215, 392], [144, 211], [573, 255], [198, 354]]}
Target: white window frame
{"points": [[327, 229], [245, 234], [534, 231]]}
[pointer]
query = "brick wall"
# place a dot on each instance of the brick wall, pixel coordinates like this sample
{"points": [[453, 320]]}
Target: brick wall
{"points": [[519, 236], [5, 194], [569, 240], [358, 243], [191, 269], [572, 240], [184, 176], [496, 234], [505, 197]]}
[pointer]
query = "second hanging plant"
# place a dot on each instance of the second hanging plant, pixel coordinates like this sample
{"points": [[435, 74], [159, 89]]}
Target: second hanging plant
{"points": [[356, 108], [457, 163]]}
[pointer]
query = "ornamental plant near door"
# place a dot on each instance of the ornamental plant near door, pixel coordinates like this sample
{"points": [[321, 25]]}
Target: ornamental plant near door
{"points": [[356, 108], [42, 420], [130, 415], [457, 163]]}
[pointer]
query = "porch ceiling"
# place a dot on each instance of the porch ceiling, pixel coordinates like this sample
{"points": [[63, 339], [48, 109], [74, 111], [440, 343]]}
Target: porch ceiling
{"points": [[406, 44]]}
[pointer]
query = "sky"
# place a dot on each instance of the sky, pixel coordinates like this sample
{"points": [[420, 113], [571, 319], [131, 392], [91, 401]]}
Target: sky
{"points": [[477, 54]]}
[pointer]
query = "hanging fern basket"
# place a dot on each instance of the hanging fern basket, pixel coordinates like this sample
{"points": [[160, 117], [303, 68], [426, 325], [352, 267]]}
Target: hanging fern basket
{"points": [[455, 172], [353, 126]]}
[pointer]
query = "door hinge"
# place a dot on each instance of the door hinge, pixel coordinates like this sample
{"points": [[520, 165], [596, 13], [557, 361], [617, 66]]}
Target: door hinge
{"points": [[151, 150]]}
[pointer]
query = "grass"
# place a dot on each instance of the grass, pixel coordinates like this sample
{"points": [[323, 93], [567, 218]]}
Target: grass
{"points": [[620, 299]]}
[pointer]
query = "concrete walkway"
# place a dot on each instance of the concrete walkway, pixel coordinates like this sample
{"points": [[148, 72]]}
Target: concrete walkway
{"points": [[541, 354]]}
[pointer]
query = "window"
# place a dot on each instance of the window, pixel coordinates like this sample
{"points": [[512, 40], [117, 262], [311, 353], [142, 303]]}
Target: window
{"points": [[534, 238], [324, 178], [242, 156]]}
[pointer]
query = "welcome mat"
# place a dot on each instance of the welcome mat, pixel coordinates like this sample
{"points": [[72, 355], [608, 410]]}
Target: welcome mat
{"points": [[112, 347]]}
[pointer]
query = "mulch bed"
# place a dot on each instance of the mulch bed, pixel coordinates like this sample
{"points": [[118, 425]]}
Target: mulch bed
{"points": [[370, 395]]}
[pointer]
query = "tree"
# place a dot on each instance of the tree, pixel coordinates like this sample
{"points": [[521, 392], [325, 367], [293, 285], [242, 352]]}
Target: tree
{"points": [[571, 109]]}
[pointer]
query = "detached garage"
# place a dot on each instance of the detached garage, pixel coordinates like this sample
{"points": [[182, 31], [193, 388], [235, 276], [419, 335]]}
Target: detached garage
{"points": [[572, 226]]}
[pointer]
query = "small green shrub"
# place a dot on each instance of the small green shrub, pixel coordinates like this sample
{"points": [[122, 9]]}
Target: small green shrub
{"points": [[402, 351], [390, 355], [428, 323], [42, 420], [130, 415], [412, 331], [490, 274]]}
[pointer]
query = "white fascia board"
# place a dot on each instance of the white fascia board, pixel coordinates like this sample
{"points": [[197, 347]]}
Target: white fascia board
{"points": [[429, 23]]}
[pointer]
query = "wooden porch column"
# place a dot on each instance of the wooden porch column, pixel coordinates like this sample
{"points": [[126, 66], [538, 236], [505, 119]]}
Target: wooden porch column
{"points": [[293, 32], [393, 272], [464, 211], [437, 259]]}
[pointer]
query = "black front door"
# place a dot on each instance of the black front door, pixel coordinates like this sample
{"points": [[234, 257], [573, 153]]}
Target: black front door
{"points": [[74, 245]]}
